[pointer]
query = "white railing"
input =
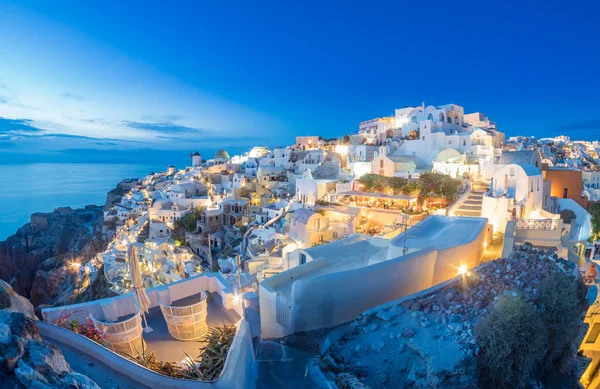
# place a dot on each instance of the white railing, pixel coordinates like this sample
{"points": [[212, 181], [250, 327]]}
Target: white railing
{"points": [[124, 337], [537, 224], [186, 322], [283, 310], [460, 201]]}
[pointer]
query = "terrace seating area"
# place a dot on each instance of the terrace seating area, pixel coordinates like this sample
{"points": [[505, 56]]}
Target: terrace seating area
{"points": [[186, 317], [123, 335], [179, 315]]}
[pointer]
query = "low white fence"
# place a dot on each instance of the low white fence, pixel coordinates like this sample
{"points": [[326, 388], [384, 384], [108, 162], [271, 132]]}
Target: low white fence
{"points": [[239, 370], [460, 201]]}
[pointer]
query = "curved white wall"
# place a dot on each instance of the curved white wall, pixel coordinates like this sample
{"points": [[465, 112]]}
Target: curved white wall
{"points": [[239, 370]]}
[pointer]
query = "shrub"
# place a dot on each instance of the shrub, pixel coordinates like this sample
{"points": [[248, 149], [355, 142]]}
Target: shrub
{"points": [[217, 342], [512, 340], [562, 301]]}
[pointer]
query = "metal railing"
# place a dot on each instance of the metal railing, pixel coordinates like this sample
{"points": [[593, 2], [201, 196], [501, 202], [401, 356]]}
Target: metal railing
{"points": [[186, 322], [537, 224]]}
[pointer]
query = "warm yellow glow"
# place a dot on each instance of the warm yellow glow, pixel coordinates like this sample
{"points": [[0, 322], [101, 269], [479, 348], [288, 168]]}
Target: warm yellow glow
{"points": [[341, 149], [484, 245], [462, 269], [75, 265], [237, 298]]}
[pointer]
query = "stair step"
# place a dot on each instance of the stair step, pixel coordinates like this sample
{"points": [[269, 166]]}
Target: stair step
{"points": [[470, 207], [468, 213]]}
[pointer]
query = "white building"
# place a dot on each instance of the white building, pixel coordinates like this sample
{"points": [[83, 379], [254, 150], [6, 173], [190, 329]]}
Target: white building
{"points": [[517, 191], [196, 159]]}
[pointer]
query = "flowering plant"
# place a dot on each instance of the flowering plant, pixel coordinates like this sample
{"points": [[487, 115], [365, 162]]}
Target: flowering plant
{"points": [[86, 328]]}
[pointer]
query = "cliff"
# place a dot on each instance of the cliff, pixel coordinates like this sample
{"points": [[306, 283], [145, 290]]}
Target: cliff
{"points": [[26, 360], [36, 260]]}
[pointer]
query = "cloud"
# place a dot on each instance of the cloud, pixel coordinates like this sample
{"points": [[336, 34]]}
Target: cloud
{"points": [[162, 118], [167, 127], [20, 127], [593, 124], [12, 129], [71, 96]]}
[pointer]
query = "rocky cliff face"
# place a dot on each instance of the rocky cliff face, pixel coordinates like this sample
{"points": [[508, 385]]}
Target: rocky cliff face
{"points": [[36, 260], [26, 360]]}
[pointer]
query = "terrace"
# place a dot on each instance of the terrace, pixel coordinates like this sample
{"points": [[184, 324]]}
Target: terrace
{"points": [[208, 299]]}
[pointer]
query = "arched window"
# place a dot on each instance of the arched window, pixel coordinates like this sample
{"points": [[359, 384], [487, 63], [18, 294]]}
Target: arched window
{"points": [[430, 117], [449, 119], [456, 120], [413, 119], [441, 117]]}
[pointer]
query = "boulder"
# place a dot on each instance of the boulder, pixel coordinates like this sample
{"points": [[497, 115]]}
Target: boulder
{"points": [[348, 381], [27, 375]]}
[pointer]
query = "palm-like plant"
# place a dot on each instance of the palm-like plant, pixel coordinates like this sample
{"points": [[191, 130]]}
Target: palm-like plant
{"points": [[217, 342]]}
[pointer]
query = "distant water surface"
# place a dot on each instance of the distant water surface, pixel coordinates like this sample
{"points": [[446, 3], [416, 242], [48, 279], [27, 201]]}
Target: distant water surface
{"points": [[42, 187]]}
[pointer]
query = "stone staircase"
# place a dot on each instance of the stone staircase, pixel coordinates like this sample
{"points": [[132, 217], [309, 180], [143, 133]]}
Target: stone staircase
{"points": [[472, 205]]}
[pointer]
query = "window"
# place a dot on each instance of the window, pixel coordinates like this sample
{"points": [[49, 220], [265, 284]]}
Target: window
{"points": [[430, 117], [565, 193], [449, 141], [538, 185], [381, 163], [464, 142], [512, 171], [531, 185], [302, 259], [449, 119], [335, 235]]}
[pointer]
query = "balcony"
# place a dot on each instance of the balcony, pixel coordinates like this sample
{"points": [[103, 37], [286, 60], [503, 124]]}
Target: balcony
{"points": [[537, 224]]}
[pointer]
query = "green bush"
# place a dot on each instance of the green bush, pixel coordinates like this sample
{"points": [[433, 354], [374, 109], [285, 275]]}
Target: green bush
{"points": [[562, 300], [513, 343]]}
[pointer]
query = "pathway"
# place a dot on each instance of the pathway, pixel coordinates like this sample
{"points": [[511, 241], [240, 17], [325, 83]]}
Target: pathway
{"points": [[104, 376], [472, 206]]}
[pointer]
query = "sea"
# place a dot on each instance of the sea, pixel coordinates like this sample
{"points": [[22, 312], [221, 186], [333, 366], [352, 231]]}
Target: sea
{"points": [[42, 187]]}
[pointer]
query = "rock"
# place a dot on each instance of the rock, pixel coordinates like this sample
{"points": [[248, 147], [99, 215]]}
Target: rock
{"points": [[425, 323], [408, 333], [11, 354], [5, 334], [47, 359], [349, 381], [4, 299], [361, 371], [391, 313], [13, 302], [328, 364], [371, 327], [26, 374]]}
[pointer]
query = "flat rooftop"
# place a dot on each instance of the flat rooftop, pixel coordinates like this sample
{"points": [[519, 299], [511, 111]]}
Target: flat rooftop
{"points": [[441, 232], [342, 255]]}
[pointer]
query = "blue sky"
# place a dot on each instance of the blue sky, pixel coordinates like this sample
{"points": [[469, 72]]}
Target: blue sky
{"points": [[135, 81]]}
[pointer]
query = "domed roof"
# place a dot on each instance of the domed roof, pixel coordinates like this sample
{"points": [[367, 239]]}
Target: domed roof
{"points": [[222, 154]]}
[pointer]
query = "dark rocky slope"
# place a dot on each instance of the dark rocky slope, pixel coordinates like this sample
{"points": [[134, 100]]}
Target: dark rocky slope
{"points": [[36, 260]]}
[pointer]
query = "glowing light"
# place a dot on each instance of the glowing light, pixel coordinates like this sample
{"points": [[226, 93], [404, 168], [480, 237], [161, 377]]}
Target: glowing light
{"points": [[462, 270], [341, 149], [237, 298], [75, 265]]}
